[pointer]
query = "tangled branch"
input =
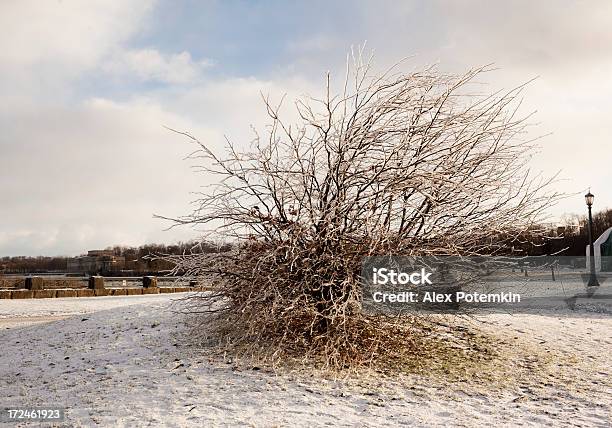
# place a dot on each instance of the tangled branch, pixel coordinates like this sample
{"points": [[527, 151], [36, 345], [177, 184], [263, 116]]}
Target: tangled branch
{"points": [[398, 164]]}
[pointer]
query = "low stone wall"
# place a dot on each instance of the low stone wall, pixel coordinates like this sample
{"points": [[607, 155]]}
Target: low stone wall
{"points": [[19, 283], [11, 283], [40, 288], [88, 292]]}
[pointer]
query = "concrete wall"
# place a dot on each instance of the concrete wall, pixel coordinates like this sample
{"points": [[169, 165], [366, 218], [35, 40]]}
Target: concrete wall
{"points": [[39, 288]]}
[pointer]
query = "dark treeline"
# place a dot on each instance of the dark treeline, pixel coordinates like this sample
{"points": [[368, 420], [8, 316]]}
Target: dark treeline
{"points": [[137, 259], [39, 264], [570, 238], [139, 253]]}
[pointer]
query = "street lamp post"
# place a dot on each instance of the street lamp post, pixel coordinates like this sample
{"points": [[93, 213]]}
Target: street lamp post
{"points": [[593, 277]]}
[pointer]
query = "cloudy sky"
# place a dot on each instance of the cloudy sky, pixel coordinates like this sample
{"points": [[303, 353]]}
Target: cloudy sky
{"points": [[87, 87]]}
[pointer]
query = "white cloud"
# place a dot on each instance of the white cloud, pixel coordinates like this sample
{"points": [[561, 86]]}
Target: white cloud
{"points": [[93, 175], [47, 44], [68, 32], [151, 65]]}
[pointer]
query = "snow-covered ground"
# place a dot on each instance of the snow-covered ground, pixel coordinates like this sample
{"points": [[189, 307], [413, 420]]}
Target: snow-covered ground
{"points": [[122, 362], [29, 311]]}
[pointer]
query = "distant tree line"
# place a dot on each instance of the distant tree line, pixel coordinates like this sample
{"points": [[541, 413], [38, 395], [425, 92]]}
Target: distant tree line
{"points": [[148, 259], [570, 237], [138, 253], [137, 259], [39, 264]]}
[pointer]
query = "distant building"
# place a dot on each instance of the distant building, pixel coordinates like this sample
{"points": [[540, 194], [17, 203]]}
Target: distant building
{"points": [[96, 261], [568, 229]]}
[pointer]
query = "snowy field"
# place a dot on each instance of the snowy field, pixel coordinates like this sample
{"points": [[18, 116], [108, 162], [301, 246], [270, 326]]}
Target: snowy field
{"points": [[122, 362]]}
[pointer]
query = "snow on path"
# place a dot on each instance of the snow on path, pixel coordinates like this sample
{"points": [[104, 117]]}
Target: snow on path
{"points": [[127, 367], [77, 305], [20, 312]]}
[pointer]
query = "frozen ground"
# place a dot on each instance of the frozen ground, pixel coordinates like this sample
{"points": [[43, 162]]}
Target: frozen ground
{"points": [[121, 362], [21, 312]]}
